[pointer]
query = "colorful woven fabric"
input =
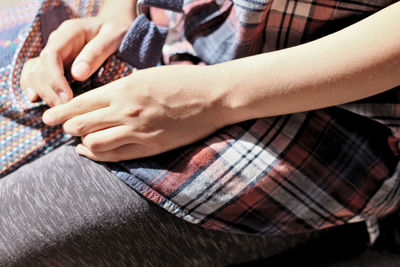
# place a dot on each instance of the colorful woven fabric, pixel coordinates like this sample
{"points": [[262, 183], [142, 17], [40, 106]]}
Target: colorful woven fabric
{"points": [[23, 135], [278, 175]]}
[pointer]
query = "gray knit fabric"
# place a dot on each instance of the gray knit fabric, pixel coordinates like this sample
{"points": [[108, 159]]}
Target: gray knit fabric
{"points": [[65, 210]]}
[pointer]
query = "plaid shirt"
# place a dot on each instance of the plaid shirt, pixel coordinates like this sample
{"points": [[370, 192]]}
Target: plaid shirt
{"points": [[277, 175]]}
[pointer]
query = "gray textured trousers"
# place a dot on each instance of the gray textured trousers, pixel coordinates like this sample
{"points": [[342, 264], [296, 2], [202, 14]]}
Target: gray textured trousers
{"points": [[65, 210]]}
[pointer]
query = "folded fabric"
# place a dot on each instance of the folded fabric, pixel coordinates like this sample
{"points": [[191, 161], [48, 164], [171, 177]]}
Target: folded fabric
{"points": [[286, 174], [23, 135], [278, 175]]}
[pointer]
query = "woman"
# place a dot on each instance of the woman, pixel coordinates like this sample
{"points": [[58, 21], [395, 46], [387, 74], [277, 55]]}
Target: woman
{"points": [[275, 175]]}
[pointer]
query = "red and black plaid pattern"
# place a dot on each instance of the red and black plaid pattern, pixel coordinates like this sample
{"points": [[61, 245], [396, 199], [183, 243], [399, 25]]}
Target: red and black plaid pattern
{"points": [[223, 30], [290, 23], [286, 174]]}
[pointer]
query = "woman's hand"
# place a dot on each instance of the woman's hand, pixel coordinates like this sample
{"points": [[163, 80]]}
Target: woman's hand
{"points": [[80, 44], [146, 113]]}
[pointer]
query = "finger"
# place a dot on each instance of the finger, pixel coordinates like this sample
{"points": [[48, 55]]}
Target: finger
{"points": [[43, 91], [109, 139], [84, 103], [126, 152], [71, 36], [47, 94], [52, 66], [27, 76], [62, 47], [93, 55], [90, 122], [31, 94]]}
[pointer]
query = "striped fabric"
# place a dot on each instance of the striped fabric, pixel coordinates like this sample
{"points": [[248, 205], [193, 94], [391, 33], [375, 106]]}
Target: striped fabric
{"points": [[278, 175]]}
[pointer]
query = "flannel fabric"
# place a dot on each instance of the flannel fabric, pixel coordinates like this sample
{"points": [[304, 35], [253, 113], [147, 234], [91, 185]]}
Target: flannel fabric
{"points": [[222, 30], [286, 174]]}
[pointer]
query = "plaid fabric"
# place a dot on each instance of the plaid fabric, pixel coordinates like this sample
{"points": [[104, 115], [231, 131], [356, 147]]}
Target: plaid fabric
{"points": [[23, 135], [221, 30], [287, 174]]}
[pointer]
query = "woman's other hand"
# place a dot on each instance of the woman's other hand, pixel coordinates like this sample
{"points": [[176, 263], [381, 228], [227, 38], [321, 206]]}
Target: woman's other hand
{"points": [[79, 44], [146, 113]]}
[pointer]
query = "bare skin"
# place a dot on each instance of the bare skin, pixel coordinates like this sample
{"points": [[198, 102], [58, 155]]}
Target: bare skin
{"points": [[82, 44], [170, 106]]}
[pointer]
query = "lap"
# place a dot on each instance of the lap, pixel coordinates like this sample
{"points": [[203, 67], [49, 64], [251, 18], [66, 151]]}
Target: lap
{"points": [[278, 175], [63, 209]]}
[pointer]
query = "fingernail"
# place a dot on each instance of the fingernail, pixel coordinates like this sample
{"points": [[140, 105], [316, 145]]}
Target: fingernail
{"points": [[63, 97], [30, 93], [80, 149], [46, 118], [81, 69]]}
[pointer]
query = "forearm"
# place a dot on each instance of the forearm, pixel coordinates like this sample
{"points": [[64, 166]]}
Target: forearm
{"points": [[354, 63]]}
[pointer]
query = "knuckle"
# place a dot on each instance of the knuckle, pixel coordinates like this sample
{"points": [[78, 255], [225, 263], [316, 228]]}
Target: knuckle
{"points": [[92, 144], [28, 64], [79, 128], [48, 100], [67, 27], [75, 127], [47, 52], [67, 24], [29, 68], [54, 83], [143, 125], [52, 36], [75, 104], [100, 50], [132, 111], [26, 76]]}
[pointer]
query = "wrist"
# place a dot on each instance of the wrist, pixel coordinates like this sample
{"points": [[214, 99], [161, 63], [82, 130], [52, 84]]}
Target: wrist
{"points": [[230, 104]]}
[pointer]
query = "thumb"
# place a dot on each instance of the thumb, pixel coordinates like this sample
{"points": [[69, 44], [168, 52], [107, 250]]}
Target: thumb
{"points": [[95, 52]]}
